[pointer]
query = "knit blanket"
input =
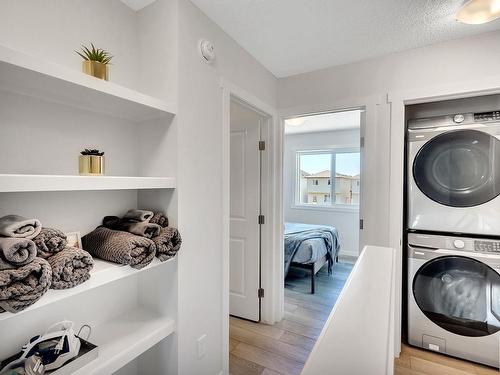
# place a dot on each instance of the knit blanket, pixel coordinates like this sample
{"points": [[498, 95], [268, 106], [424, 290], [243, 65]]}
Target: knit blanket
{"points": [[16, 252], [139, 228], [138, 215], [159, 218], [19, 227], [119, 247], [70, 267], [21, 287], [49, 242], [167, 243]]}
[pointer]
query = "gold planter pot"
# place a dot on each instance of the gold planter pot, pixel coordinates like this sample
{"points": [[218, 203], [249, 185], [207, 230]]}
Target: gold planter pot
{"points": [[95, 69], [91, 165]]}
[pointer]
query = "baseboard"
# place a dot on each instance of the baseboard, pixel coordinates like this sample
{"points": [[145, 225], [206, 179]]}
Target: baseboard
{"points": [[350, 257]]}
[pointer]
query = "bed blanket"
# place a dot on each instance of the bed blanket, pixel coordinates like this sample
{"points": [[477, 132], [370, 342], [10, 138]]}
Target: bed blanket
{"points": [[296, 234]]}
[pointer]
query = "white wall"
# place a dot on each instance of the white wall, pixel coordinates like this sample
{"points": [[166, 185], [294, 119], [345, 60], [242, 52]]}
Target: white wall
{"points": [[439, 64], [346, 221], [200, 179]]}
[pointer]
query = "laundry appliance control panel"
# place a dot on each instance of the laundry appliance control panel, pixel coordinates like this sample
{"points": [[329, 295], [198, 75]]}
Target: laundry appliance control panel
{"points": [[487, 246]]}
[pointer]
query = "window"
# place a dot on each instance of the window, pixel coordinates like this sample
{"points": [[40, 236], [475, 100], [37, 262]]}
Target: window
{"points": [[317, 185]]}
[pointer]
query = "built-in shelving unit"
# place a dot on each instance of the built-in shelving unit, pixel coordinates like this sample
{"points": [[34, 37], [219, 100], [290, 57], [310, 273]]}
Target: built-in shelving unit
{"points": [[124, 338], [49, 112], [103, 273], [25, 74], [10, 183]]}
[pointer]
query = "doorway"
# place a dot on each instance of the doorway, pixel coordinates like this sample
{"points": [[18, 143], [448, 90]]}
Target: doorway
{"points": [[321, 198], [247, 143]]}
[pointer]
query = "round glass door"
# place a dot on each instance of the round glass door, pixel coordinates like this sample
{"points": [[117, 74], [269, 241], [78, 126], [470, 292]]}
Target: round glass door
{"points": [[459, 168], [459, 294]]}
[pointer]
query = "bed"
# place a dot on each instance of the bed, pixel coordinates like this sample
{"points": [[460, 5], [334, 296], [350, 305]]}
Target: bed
{"points": [[310, 247]]}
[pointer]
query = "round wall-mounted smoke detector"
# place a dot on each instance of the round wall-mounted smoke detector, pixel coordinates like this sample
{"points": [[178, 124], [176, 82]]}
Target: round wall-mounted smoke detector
{"points": [[207, 50]]}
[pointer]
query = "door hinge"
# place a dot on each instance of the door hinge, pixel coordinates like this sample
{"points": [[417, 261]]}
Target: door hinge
{"points": [[262, 145], [260, 293], [361, 223], [362, 142], [261, 219]]}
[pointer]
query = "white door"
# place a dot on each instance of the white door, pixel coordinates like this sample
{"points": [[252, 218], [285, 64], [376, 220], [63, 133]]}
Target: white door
{"points": [[244, 246]]}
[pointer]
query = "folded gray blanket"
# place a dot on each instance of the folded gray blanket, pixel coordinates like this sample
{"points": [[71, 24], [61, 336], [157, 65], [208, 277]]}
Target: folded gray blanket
{"points": [[167, 243], [159, 218], [138, 215], [49, 242], [139, 228], [16, 252], [119, 247], [19, 227], [21, 287], [70, 267]]}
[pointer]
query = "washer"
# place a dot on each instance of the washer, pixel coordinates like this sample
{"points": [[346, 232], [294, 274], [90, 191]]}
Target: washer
{"points": [[454, 296], [453, 174]]}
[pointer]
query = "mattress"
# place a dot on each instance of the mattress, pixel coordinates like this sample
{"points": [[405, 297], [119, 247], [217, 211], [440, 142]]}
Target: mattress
{"points": [[309, 250]]}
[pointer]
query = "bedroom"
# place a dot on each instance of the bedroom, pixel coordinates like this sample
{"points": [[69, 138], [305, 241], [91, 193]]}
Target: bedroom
{"points": [[321, 212]]}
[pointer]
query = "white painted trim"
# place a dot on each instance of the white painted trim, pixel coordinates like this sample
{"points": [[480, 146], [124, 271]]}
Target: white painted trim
{"points": [[335, 208], [271, 208], [397, 101], [368, 126]]}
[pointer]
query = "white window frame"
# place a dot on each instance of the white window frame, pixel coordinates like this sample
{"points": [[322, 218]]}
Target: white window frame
{"points": [[297, 204]]}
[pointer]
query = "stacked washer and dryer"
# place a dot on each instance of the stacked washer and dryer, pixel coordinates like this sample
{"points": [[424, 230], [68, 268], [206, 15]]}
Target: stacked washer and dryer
{"points": [[453, 222]]}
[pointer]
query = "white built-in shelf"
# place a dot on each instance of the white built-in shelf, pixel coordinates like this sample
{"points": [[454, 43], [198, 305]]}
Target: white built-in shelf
{"points": [[103, 273], [33, 76], [31, 182], [124, 338]]}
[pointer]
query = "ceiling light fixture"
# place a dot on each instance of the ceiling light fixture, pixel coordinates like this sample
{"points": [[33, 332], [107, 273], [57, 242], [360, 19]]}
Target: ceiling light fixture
{"points": [[295, 121], [476, 12]]}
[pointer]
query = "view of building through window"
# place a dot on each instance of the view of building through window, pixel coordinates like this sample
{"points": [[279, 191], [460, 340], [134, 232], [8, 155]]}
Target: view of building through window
{"points": [[315, 182]]}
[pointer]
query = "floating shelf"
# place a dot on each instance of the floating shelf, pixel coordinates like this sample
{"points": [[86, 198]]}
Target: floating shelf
{"points": [[124, 338], [103, 273], [29, 75], [31, 182]]}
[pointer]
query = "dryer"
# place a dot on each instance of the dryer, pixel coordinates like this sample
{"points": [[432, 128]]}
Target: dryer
{"points": [[453, 174], [454, 296]]}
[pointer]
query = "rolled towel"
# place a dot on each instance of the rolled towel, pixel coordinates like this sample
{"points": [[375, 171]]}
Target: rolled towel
{"points": [[19, 227], [138, 215], [16, 252], [167, 243], [21, 287], [139, 228], [159, 218], [119, 247], [70, 267], [49, 242]]}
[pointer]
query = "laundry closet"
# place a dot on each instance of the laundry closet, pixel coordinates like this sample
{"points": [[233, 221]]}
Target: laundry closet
{"points": [[452, 221]]}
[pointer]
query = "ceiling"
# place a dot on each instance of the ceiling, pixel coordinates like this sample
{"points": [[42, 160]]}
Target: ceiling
{"points": [[137, 4], [297, 36], [324, 122]]}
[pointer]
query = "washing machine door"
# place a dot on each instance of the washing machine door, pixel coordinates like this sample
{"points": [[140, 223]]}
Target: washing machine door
{"points": [[459, 294], [459, 168]]}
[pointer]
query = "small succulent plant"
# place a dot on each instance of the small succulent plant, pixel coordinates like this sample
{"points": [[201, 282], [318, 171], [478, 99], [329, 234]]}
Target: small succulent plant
{"points": [[92, 152], [95, 54]]}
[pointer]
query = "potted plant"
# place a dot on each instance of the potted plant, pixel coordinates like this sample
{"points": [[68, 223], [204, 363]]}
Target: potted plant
{"points": [[95, 61], [91, 162]]}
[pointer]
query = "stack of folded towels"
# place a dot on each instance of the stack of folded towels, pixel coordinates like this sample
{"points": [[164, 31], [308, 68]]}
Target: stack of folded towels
{"points": [[34, 259], [135, 239]]}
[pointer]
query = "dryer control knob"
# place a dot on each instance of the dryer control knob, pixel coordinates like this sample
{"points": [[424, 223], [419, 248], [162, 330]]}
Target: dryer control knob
{"points": [[459, 244], [458, 118]]}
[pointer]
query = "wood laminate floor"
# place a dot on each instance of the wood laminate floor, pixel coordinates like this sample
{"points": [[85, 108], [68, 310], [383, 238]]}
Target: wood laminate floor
{"points": [[414, 361], [284, 347]]}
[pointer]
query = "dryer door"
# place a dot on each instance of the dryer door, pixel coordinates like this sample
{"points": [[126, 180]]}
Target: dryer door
{"points": [[459, 168], [459, 294]]}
